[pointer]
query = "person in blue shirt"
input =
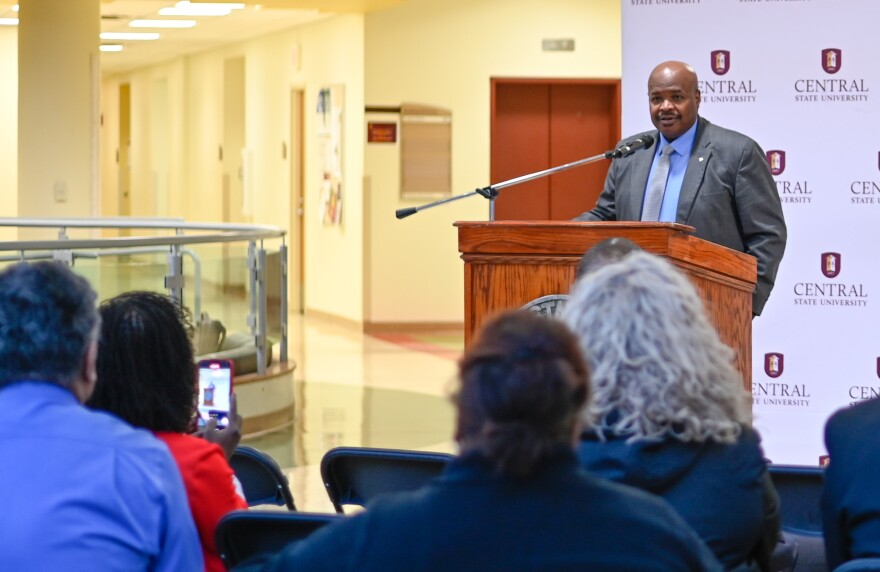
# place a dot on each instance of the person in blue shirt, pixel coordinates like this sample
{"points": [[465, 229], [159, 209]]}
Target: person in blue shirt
{"points": [[79, 490]]}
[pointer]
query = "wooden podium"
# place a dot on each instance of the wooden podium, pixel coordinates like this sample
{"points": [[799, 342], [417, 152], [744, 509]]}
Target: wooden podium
{"points": [[509, 263]]}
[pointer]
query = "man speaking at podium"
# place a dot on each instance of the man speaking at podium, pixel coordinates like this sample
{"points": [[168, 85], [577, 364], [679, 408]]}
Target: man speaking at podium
{"points": [[698, 174]]}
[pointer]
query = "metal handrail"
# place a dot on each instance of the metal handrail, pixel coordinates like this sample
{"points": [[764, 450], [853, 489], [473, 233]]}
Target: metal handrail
{"points": [[62, 249]]}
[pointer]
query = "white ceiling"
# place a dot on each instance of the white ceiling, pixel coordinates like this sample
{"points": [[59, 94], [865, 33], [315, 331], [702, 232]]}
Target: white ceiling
{"points": [[209, 32]]}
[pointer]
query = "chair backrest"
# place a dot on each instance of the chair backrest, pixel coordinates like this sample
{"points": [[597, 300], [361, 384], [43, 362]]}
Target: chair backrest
{"points": [[354, 475], [800, 491], [261, 478], [243, 534], [550, 305]]}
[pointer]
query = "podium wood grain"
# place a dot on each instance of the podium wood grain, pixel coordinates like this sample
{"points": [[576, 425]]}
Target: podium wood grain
{"points": [[509, 263]]}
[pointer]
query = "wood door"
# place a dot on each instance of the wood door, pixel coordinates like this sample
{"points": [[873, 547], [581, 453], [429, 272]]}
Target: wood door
{"points": [[542, 123]]}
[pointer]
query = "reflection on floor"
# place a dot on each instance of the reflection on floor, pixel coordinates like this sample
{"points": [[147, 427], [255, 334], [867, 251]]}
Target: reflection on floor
{"points": [[355, 389]]}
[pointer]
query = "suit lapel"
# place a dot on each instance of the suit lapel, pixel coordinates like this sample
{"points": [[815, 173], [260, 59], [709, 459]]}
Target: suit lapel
{"points": [[693, 176], [641, 167]]}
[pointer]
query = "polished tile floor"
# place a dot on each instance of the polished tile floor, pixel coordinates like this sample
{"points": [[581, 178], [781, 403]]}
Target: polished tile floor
{"points": [[350, 388]]}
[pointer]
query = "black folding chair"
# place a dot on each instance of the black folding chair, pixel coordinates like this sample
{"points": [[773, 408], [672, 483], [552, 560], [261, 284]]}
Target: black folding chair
{"points": [[355, 475], [261, 478], [245, 534], [800, 492]]}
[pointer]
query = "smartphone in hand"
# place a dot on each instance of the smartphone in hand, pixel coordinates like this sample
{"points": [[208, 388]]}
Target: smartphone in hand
{"points": [[215, 389]]}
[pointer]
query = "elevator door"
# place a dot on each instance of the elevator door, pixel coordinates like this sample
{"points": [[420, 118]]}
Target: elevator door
{"points": [[542, 123]]}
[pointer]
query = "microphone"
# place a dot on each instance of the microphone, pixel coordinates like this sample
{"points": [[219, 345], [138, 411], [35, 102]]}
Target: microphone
{"points": [[403, 213], [629, 148]]}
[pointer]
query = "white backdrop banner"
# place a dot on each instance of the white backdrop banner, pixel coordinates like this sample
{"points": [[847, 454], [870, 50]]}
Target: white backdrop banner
{"points": [[801, 78]]}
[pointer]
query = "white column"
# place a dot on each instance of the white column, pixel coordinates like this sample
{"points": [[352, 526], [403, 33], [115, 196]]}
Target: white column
{"points": [[58, 112]]}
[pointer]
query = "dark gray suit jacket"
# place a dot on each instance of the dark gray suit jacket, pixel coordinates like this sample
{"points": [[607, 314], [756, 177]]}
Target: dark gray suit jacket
{"points": [[728, 195]]}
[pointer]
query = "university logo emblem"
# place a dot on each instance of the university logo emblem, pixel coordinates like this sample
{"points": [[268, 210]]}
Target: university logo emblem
{"points": [[824, 460], [774, 363], [720, 62], [776, 158], [830, 264], [878, 367], [831, 60]]}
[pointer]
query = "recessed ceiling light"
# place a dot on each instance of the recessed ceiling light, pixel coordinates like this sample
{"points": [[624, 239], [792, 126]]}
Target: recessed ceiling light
{"points": [[130, 36], [8, 21], [162, 23], [15, 8], [111, 47]]}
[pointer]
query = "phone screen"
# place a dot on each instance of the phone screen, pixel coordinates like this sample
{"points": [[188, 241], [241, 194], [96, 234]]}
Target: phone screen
{"points": [[215, 389]]}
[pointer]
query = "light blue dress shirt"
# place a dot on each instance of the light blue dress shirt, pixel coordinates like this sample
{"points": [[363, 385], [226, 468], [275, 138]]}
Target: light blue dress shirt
{"points": [[81, 490], [677, 166]]}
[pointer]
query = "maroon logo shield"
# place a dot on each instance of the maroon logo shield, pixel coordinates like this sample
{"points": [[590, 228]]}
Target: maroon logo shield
{"points": [[830, 264], [824, 460], [774, 364], [878, 367], [831, 60], [776, 158], [720, 62]]}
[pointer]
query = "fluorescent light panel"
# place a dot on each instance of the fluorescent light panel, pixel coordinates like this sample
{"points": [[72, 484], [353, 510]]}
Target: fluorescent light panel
{"points": [[111, 47], [8, 21], [200, 9], [162, 23], [130, 36]]}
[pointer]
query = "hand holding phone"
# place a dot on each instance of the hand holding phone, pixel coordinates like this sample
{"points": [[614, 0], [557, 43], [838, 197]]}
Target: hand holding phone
{"points": [[215, 391], [230, 436]]}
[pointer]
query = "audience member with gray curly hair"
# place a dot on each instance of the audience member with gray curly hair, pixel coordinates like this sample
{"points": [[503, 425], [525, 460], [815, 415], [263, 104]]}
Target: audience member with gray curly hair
{"points": [[668, 412]]}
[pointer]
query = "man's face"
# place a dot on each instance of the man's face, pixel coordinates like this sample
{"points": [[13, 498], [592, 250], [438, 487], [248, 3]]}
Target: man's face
{"points": [[673, 99]]}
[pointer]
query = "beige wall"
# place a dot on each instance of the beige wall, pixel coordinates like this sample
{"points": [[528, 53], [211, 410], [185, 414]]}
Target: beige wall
{"points": [[9, 133], [444, 54], [191, 88], [439, 52]]}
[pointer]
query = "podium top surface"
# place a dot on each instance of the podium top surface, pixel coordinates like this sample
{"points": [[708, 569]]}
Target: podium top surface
{"points": [[571, 239]]}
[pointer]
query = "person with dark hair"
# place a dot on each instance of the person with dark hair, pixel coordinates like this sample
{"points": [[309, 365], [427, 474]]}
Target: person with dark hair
{"points": [[81, 490], [146, 376], [669, 414], [514, 499], [604, 253]]}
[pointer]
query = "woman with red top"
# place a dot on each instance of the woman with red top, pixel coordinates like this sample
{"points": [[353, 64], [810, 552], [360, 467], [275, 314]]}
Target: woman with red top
{"points": [[146, 376]]}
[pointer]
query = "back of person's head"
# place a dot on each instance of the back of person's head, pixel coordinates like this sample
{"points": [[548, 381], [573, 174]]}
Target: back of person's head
{"points": [[658, 366], [146, 374], [48, 320], [523, 383], [604, 253]]}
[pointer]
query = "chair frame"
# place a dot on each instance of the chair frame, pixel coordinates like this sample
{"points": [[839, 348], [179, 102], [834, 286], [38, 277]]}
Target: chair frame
{"points": [[400, 469], [244, 534], [268, 468]]}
